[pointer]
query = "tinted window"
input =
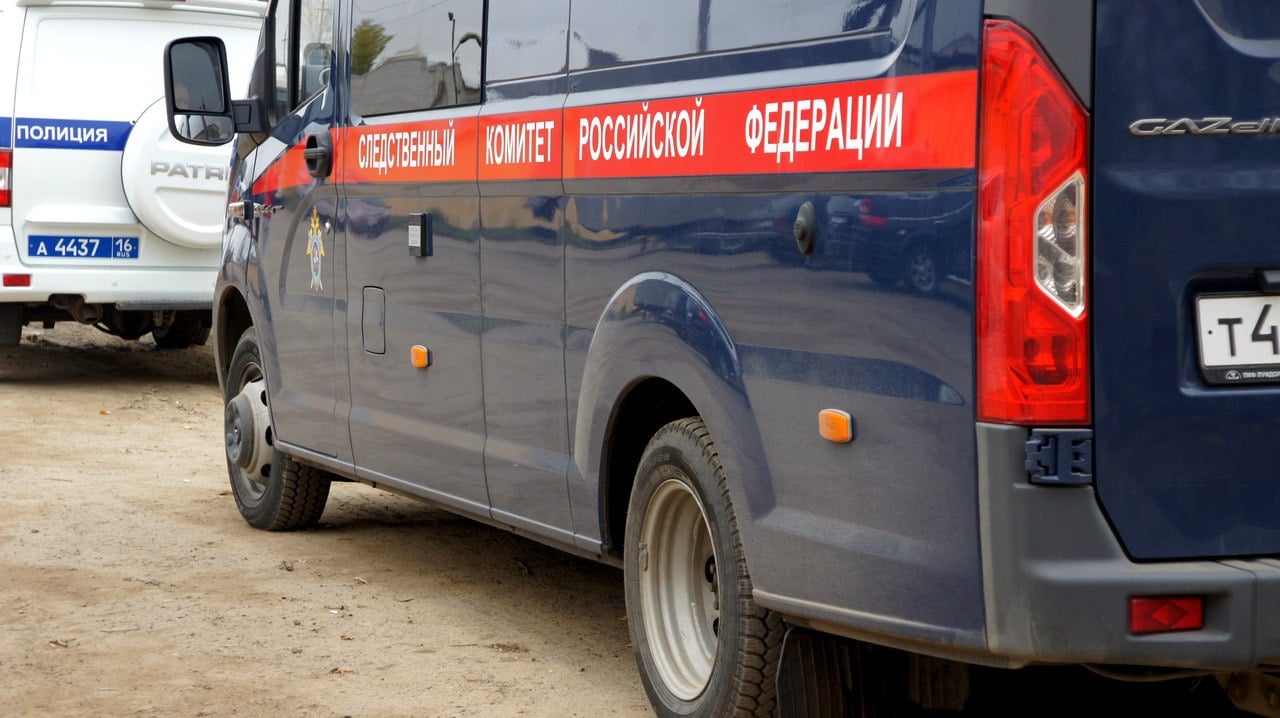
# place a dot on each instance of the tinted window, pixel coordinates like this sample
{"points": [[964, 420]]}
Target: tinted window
{"points": [[606, 32], [526, 38], [748, 23], [407, 55], [303, 41], [282, 21], [315, 44]]}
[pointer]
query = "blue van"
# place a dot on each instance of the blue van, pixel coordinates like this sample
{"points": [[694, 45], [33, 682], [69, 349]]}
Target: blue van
{"points": [[870, 338]]}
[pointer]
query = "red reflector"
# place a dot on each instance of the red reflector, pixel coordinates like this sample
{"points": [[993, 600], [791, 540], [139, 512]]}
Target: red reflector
{"points": [[6, 177], [17, 280], [1164, 614]]}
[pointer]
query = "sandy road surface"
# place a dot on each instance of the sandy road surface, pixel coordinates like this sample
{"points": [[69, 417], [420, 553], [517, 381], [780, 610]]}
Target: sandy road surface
{"points": [[129, 585]]}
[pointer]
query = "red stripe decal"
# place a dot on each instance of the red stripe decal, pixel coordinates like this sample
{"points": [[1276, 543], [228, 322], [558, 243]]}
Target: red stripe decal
{"points": [[916, 122], [434, 151], [522, 146], [289, 170], [903, 123]]}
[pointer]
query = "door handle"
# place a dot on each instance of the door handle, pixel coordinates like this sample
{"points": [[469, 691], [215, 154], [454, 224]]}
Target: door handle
{"points": [[318, 153], [247, 210]]}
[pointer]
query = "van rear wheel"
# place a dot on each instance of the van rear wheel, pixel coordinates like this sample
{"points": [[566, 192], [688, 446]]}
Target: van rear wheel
{"points": [[272, 491], [703, 646]]}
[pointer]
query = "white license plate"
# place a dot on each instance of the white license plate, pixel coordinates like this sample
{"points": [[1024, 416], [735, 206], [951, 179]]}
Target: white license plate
{"points": [[1239, 337]]}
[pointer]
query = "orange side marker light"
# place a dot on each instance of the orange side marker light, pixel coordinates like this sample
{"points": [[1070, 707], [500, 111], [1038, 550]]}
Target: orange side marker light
{"points": [[420, 356], [836, 426]]}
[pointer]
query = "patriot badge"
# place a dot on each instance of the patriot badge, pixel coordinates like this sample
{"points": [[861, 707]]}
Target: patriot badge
{"points": [[315, 249]]}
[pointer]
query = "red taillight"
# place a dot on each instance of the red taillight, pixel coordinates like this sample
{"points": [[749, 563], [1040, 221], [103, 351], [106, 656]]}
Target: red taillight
{"points": [[1032, 309], [1165, 614], [16, 280], [6, 175]]}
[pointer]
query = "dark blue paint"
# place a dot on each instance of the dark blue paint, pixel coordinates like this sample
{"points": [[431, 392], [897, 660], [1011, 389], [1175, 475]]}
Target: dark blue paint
{"points": [[887, 508], [302, 367], [1183, 469], [434, 302], [545, 305]]}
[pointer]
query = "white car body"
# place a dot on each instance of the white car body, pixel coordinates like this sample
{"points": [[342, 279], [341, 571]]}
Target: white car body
{"points": [[110, 221]]}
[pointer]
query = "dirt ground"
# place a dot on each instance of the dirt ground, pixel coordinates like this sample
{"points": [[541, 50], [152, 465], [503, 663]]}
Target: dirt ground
{"points": [[129, 584]]}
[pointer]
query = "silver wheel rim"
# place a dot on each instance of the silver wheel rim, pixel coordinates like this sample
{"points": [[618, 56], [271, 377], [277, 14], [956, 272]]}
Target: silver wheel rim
{"points": [[678, 590], [248, 438]]}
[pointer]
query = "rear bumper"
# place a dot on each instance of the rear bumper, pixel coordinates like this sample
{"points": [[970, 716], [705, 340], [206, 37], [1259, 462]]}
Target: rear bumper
{"points": [[145, 287], [1057, 583]]}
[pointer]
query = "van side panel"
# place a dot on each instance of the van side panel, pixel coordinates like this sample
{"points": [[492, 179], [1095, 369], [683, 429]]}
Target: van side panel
{"points": [[887, 524], [295, 264], [419, 428], [522, 255]]}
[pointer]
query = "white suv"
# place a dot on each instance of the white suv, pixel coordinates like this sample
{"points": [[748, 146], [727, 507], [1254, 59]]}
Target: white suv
{"points": [[104, 218]]}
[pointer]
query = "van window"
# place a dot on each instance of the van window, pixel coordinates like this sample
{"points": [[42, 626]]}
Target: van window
{"points": [[735, 24], [527, 38], [606, 32], [406, 57], [303, 41]]}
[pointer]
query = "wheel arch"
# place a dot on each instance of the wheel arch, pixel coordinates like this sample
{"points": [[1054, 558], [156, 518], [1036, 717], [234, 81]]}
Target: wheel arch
{"points": [[659, 353], [645, 408], [231, 318]]}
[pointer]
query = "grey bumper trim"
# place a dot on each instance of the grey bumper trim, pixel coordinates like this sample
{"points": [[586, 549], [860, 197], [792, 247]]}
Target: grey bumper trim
{"points": [[1057, 583]]}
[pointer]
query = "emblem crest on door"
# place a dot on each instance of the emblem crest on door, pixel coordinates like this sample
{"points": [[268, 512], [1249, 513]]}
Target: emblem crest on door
{"points": [[315, 249]]}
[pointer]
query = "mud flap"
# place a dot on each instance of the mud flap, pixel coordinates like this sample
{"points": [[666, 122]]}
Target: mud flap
{"points": [[814, 676], [827, 676]]}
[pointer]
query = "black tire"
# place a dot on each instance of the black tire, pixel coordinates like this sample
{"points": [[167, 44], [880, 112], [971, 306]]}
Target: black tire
{"points": [[285, 495], [703, 646], [182, 333], [10, 324]]}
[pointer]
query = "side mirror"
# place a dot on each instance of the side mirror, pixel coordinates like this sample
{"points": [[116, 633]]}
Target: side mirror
{"points": [[196, 91]]}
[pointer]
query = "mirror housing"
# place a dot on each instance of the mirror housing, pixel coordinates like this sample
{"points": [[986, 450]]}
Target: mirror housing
{"points": [[198, 96]]}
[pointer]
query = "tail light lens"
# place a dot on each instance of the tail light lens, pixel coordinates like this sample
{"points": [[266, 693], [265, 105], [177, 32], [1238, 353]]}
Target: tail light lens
{"points": [[1032, 303], [6, 186]]}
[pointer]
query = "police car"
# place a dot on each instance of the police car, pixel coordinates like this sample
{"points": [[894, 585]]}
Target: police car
{"points": [[880, 343], [105, 219]]}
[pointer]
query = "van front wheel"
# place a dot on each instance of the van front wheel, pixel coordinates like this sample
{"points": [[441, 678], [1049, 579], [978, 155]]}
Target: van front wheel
{"points": [[272, 491], [703, 646]]}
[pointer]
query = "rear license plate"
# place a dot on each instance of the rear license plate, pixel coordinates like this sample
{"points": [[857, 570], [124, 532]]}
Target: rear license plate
{"points": [[1239, 338], [39, 246]]}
